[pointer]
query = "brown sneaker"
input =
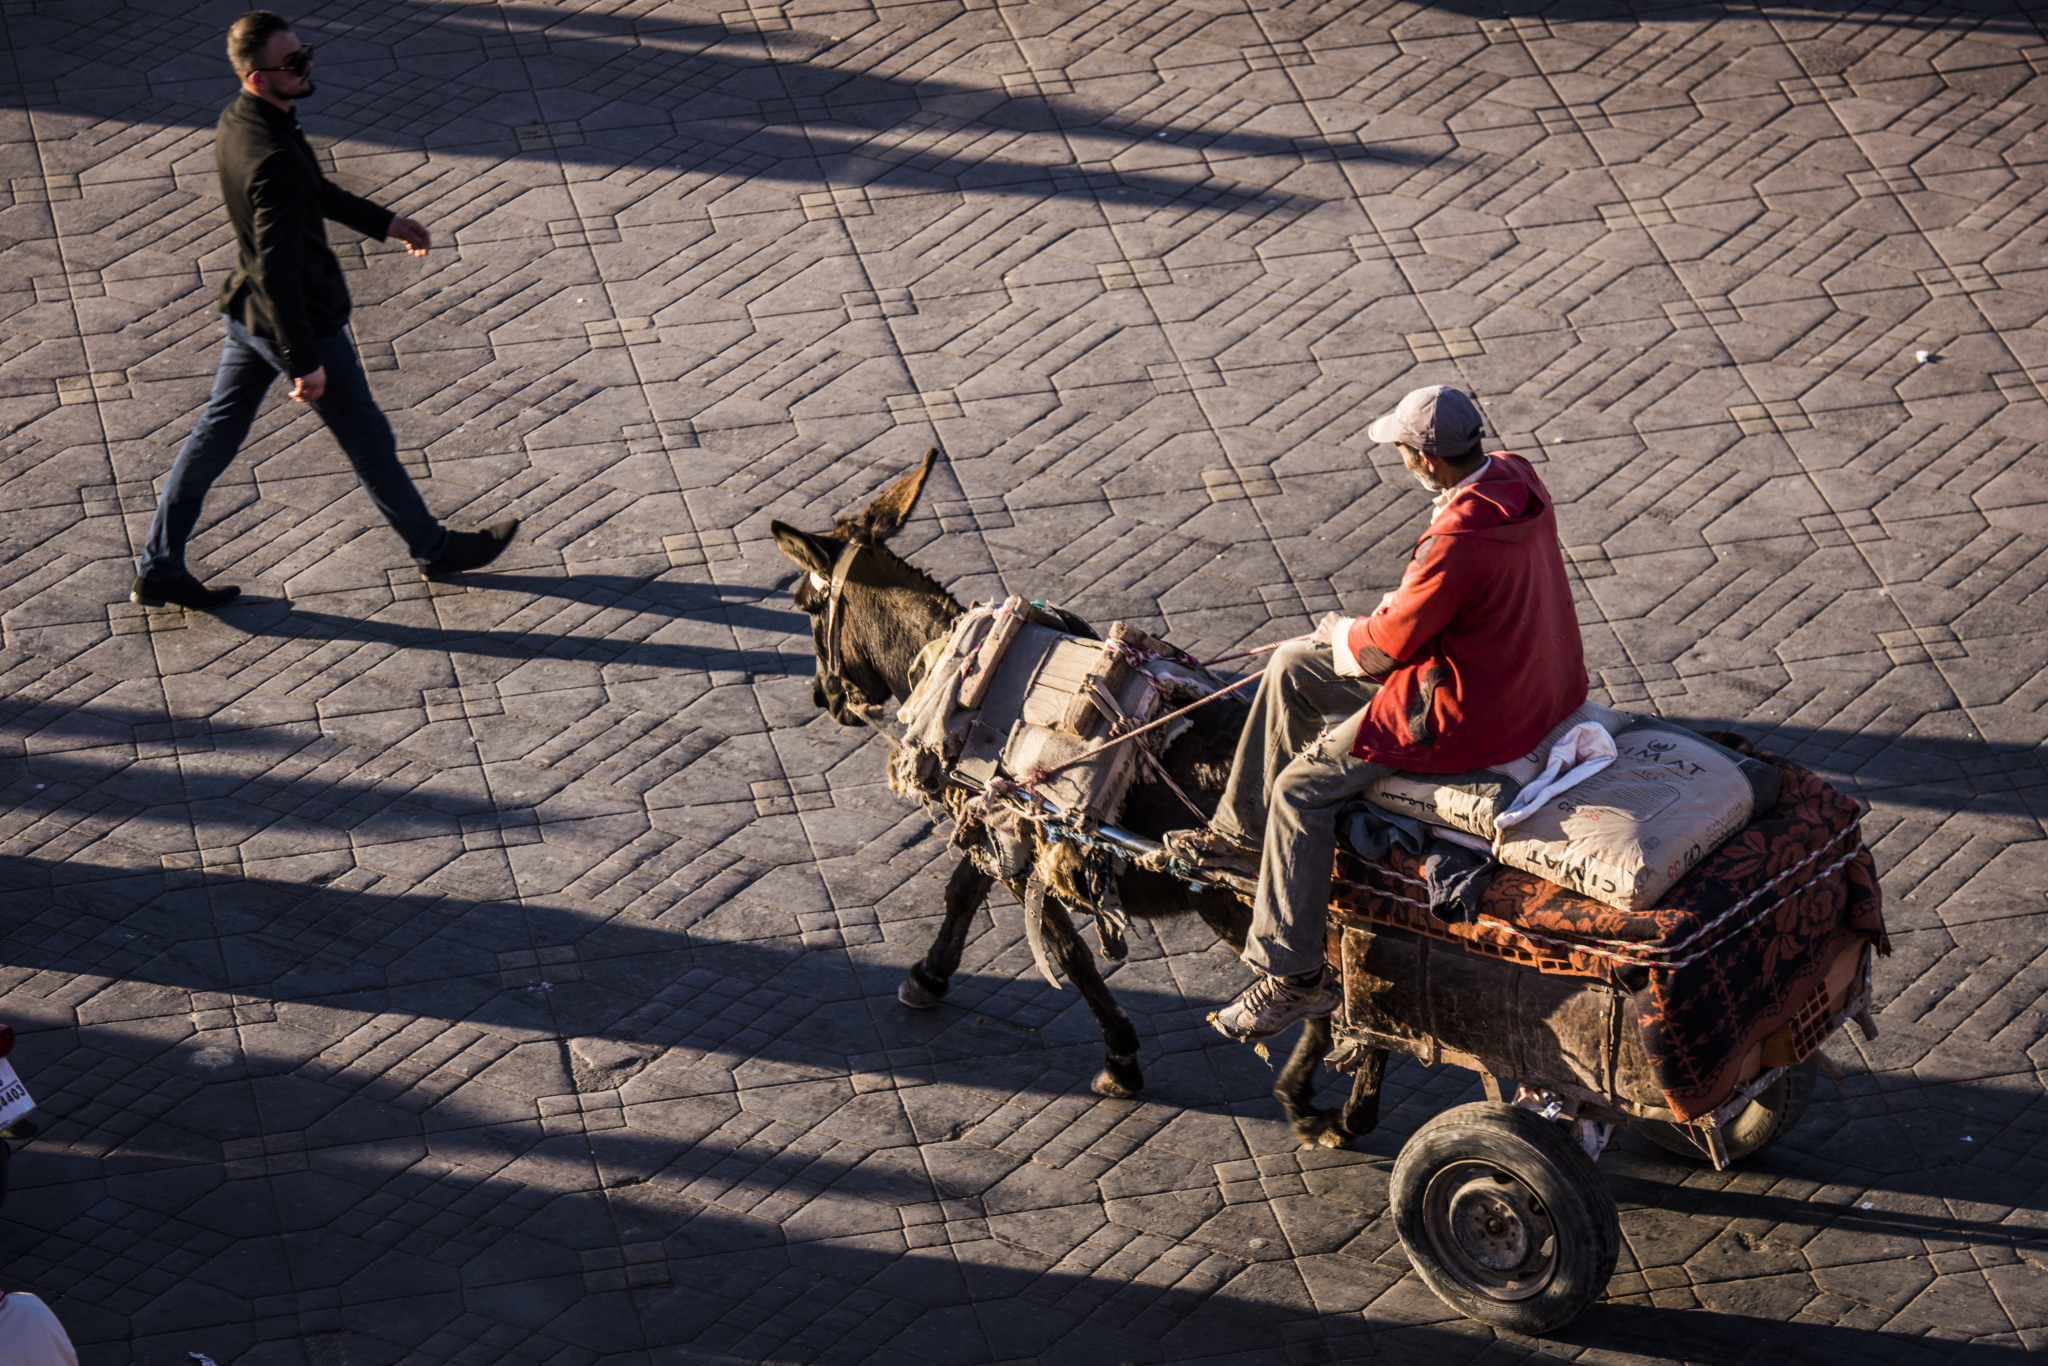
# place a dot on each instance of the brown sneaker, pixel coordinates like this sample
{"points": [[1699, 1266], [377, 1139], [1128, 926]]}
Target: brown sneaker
{"points": [[1271, 1004]]}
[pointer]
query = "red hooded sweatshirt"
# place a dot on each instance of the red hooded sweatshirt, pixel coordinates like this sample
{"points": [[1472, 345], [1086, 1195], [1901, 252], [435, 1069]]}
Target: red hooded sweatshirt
{"points": [[1479, 647]]}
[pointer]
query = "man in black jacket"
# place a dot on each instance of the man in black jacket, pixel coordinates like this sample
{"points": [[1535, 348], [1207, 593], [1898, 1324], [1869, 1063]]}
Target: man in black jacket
{"points": [[286, 310]]}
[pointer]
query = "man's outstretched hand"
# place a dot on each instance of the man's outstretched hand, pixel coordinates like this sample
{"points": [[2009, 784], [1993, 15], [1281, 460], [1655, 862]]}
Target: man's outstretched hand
{"points": [[308, 387], [411, 232]]}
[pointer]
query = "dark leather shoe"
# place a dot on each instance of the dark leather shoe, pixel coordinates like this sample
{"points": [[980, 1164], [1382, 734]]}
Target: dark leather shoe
{"points": [[183, 591], [471, 549]]}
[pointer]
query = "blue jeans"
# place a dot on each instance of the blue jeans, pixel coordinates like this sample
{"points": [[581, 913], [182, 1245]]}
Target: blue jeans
{"points": [[248, 364]]}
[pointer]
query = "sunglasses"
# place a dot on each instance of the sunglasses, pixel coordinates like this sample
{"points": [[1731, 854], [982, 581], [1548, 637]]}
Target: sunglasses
{"points": [[299, 63]]}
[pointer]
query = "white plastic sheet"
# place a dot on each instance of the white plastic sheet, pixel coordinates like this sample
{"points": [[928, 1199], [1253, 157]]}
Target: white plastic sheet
{"points": [[1581, 752]]}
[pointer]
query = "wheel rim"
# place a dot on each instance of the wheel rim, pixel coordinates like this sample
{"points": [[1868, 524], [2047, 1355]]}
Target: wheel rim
{"points": [[1490, 1230]]}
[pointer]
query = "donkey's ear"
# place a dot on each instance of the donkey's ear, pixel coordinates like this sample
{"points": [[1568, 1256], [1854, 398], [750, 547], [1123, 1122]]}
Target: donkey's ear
{"points": [[887, 514], [812, 552]]}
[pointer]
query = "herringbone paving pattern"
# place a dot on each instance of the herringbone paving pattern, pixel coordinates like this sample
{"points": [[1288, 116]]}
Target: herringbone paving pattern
{"points": [[503, 970]]}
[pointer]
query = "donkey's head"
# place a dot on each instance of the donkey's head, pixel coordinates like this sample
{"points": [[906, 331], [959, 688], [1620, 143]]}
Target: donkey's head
{"points": [[871, 612]]}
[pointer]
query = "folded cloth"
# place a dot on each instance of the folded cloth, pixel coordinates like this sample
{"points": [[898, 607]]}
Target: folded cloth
{"points": [[1458, 878], [1457, 873], [1374, 831]]}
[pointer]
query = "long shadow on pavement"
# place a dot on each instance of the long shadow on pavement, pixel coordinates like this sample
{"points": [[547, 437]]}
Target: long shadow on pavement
{"points": [[468, 1218]]}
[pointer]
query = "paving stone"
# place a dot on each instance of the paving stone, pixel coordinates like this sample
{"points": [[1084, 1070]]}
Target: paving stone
{"points": [[503, 968]]}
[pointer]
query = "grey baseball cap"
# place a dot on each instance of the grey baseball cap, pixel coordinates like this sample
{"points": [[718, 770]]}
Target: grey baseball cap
{"points": [[1438, 420]]}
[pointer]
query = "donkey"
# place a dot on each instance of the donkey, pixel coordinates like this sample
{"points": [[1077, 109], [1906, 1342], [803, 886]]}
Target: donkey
{"points": [[888, 609]]}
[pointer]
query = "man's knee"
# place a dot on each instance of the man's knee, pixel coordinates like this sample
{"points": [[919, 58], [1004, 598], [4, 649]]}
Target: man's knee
{"points": [[1303, 783], [1299, 659], [1323, 775]]}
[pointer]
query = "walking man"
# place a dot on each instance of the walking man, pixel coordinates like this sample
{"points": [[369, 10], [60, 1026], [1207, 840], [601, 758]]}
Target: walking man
{"points": [[286, 310]]}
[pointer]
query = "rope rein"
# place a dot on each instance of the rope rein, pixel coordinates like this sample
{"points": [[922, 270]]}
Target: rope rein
{"points": [[1203, 664], [1039, 775]]}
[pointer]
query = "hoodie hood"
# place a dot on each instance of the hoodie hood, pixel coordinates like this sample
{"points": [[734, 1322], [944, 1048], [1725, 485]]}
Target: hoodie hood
{"points": [[1505, 504]]}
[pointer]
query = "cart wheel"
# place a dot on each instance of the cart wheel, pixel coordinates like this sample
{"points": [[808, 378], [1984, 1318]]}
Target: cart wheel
{"points": [[1763, 1123], [1505, 1217]]}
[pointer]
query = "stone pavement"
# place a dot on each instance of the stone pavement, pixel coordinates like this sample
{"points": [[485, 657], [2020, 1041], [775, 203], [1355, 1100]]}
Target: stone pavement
{"points": [[503, 970]]}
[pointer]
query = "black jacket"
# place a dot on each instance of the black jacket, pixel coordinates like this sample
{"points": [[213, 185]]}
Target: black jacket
{"points": [[287, 285]]}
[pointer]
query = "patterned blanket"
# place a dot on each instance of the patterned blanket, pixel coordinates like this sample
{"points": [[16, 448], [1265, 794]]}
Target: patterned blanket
{"points": [[1725, 959]]}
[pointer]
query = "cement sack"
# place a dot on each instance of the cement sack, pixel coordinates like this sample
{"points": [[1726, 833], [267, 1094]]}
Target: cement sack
{"points": [[1470, 801], [1627, 833], [1624, 835]]}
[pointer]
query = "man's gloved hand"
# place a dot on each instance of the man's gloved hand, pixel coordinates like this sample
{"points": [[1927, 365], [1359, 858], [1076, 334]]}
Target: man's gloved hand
{"points": [[1326, 629]]}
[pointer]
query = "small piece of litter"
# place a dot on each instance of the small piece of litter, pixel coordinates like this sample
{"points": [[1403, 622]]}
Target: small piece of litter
{"points": [[202, 1358], [1257, 1242], [1968, 1139], [1868, 1205], [1923, 356]]}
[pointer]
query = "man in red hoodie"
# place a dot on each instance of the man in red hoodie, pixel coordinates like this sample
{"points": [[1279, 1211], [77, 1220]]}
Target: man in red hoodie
{"points": [[1467, 664]]}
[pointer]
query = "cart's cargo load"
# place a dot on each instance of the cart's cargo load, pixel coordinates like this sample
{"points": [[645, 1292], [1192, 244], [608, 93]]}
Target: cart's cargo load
{"points": [[1623, 836], [1628, 833], [1733, 957]]}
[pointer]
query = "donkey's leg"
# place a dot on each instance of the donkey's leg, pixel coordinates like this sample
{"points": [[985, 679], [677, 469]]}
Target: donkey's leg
{"points": [[930, 977], [1119, 1076], [1362, 1110], [1295, 1089]]}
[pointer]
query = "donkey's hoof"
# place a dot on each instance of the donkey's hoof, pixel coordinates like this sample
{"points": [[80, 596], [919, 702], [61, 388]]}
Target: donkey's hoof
{"points": [[1322, 1129], [915, 994], [1119, 1082]]}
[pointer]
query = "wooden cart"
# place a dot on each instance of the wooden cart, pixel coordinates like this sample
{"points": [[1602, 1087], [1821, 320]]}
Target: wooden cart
{"points": [[1499, 1204]]}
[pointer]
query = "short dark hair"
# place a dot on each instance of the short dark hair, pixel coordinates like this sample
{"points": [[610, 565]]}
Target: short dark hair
{"points": [[250, 35], [1466, 459]]}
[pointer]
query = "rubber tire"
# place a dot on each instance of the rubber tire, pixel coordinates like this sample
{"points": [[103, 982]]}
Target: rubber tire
{"points": [[1766, 1120], [1544, 1158]]}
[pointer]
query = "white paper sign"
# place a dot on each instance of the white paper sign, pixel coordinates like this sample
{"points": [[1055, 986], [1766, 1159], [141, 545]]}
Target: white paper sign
{"points": [[14, 1099]]}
